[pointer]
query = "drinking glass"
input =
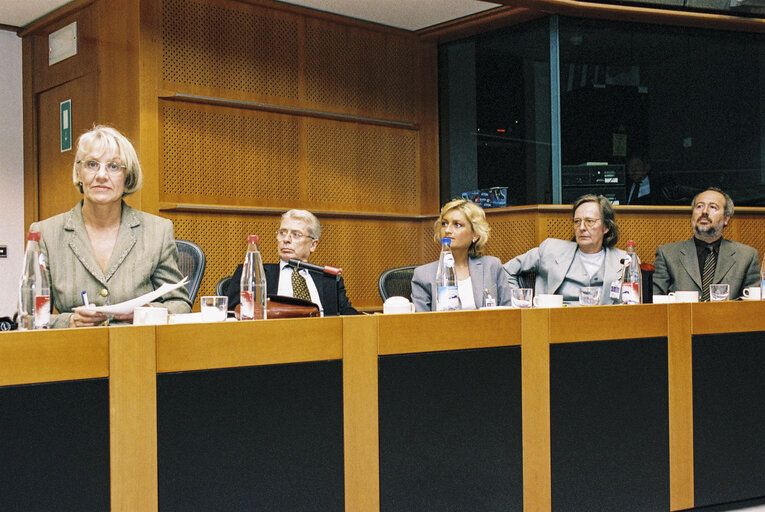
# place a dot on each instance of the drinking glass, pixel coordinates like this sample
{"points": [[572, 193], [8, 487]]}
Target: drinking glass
{"points": [[521, 297], [213, 308], [589, 296], [718, 292]]}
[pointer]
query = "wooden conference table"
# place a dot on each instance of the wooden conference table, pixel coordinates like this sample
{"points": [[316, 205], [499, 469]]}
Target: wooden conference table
{"points": [[651, 407]]}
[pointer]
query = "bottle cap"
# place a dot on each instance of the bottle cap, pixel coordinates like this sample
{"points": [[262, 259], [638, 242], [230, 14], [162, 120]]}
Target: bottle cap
{"points": [[252, 239], [33, 235], [446, 240], [630, 243]]}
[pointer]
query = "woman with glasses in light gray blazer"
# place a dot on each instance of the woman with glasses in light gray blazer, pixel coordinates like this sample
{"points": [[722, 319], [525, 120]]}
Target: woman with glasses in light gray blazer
{"points": [[102, 246]]}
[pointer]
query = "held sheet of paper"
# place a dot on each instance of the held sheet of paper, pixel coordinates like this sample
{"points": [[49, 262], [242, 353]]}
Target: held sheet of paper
{"points": [[128, 306]]}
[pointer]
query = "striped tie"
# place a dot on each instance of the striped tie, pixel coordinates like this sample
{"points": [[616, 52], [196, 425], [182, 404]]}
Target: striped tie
{"points": [[709, 273], [299, 288]]}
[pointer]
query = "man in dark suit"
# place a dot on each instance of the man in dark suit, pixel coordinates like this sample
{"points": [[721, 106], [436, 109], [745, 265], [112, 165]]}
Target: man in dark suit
{"points": [[297, 238], [707, 258], [641, 186]]}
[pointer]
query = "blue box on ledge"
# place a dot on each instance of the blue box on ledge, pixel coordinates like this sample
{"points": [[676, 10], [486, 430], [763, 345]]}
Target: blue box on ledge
{"points": [[495, 197]]}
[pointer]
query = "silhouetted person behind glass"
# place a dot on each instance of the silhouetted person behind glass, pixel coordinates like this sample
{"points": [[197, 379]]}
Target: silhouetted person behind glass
{"points": [[641, 187]]}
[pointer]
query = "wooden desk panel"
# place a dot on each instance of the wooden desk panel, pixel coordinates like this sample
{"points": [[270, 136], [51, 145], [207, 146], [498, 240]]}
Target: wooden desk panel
{"points": [[437, 331], [360, 341], [227, 345], [53, 355]]}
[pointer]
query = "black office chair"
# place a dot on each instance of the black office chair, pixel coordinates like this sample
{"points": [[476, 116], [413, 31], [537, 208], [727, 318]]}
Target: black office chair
{"points": [[396, 281], [222, 287], [191, 262]]}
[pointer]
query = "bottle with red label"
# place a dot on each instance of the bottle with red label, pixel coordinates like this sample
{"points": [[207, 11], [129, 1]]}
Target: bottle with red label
{"points": [[252, 287], [632, 284], [34, 289]]}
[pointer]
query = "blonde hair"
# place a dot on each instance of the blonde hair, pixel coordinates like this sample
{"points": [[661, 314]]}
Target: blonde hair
{"points": [[478, 223], [103, 140]]}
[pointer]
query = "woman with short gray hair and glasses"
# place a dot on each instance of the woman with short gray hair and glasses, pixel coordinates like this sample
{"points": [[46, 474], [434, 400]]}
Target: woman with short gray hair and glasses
{"points": [[590, 259], [102, 248]]}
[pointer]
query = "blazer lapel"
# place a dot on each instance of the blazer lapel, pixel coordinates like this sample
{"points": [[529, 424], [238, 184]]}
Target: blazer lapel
{"points": [[563, 261], [126, 240], [725, 260], [691, 261], [477, 278], [327, 292], [78, 242], [272, 278]]}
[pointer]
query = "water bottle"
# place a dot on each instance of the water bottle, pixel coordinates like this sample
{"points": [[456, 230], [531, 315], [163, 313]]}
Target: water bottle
{"points": [[252, 287], [631, 282], [34, 290], [448, 298]]}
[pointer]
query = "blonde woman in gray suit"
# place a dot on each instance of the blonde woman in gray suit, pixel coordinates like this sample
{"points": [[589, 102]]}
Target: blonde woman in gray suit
{"points": [[103, 246], [464, 222]]}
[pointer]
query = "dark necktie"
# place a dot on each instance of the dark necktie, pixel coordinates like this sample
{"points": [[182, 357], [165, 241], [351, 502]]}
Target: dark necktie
{"points": [[633, 193], [709, 273], [299, 287]]}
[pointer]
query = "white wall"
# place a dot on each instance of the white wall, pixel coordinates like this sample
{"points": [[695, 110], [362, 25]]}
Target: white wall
{"points": [[11, 170]]}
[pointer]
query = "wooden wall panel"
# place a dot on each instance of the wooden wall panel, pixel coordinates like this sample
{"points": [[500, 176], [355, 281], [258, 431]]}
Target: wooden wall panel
{"points": [[246, 51], [217, 155], [84, 62], [230, 46], [361, 168], [751, 231], [358, 71], [56, 192], [221, 155]]}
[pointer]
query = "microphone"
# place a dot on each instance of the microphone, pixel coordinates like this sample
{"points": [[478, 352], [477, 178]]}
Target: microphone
{"points": [[327, 269]]}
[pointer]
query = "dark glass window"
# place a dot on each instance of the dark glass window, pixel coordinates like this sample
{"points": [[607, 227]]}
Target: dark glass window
{"points": [[495, 114], [683, 104]]}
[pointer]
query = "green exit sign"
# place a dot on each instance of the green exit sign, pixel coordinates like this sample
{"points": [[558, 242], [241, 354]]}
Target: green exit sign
{"points": [[65, 117]]}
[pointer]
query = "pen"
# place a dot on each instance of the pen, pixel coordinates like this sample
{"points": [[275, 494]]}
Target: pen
{"points": [[84, 298]]}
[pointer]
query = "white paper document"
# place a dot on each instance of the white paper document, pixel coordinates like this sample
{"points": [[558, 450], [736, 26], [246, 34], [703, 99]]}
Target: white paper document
{"points": [[124, 308]]}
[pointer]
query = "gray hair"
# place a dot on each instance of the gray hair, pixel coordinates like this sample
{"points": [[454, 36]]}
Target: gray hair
{"points": [[606, 213], [728, 211], [314, 226]]}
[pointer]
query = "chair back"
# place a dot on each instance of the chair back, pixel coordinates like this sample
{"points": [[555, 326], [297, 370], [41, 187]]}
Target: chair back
{"points": [[191, 262], [222, 287], [396, 281]]}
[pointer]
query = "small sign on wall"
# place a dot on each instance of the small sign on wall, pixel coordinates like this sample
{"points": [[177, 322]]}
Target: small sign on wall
{"points": [[62, 43], [65, 118]]}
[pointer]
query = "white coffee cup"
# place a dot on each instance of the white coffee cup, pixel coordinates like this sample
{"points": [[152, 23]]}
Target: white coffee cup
{"points": [[147, 315], [663, 299], [752, 293], [545, 300], [397, 305], [685, 296]]}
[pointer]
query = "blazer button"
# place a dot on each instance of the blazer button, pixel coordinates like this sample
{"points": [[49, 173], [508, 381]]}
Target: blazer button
{"points": [[104, 292]]}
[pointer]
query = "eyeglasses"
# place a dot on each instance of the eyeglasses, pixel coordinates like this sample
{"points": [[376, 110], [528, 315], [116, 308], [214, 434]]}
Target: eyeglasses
{"points": [[295, 236], [590, 223], [93, 166]]}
